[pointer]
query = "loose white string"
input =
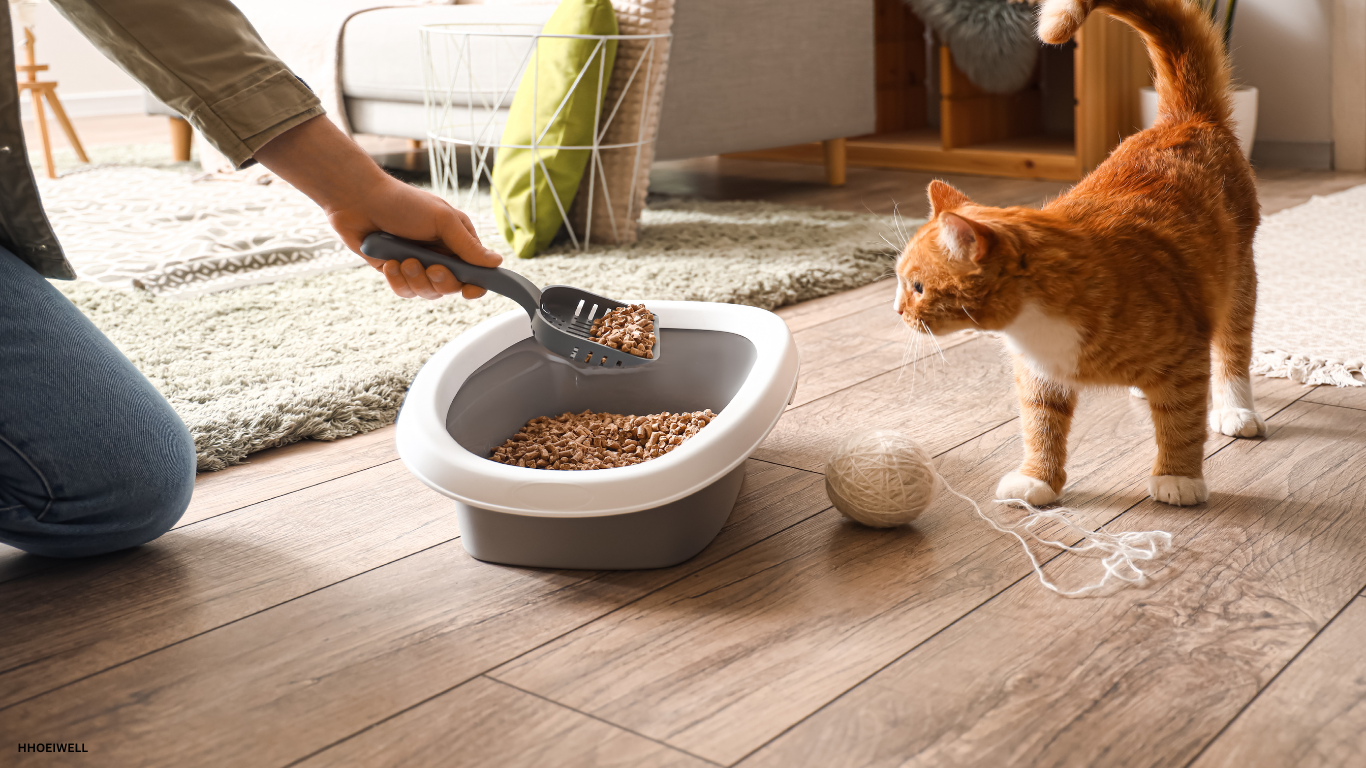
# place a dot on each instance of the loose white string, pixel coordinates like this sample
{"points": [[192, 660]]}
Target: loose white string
{"points": [[883, 478], [1121, 551]]}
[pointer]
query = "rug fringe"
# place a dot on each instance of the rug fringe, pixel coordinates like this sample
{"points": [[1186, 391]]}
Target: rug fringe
{"points": [[1275, 364]]}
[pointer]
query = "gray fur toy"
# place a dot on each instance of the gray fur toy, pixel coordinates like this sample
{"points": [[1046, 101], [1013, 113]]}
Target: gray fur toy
{"points": [[992, 41]]}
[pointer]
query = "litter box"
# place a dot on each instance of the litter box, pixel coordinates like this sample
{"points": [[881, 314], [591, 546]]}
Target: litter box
{"points": [[482, 387]]}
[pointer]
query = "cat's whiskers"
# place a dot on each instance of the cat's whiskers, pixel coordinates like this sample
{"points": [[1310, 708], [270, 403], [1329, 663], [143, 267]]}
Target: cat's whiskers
{"points": [[900, 224], [910, 353], [906, 353], [970, 317], [915, 358], [935, 342], [898, 231], [919, 355]]}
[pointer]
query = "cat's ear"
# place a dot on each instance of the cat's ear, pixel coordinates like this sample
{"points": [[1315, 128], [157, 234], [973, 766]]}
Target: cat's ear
{"points": [[944, 198], [962, 239]]}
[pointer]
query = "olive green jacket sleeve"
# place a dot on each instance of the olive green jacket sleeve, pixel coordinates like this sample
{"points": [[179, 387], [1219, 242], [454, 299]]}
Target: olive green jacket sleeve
{"points": [[204, 60]]}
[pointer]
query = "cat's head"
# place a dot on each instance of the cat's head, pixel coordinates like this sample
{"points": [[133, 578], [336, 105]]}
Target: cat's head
{"points": [[959, 270]]}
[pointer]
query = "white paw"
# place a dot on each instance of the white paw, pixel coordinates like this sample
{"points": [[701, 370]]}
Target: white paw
{"points": [[1236, 422], [1029, 489], [1138, 393], [1178, 491]]}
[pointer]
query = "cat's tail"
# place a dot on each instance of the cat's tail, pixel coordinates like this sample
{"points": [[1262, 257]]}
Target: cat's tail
{"points": [[1191, 67]]}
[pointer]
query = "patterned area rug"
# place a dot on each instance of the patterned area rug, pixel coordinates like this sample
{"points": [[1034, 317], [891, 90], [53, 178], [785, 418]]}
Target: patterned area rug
{"points": [[331, 355], [179, 234], [1311, 293]]}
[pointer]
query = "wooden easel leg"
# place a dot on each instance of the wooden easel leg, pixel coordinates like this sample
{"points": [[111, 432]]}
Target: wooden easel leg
{"points": [[410, 159], [182, 135], [41, 120], [836, 161], [66, 124]]}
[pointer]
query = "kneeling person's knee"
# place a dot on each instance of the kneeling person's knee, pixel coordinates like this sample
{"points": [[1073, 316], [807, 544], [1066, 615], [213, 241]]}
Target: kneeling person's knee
{"points": [[161, 486], [137, 490]]}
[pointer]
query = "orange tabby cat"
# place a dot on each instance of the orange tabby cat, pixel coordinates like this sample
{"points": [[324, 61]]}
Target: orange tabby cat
{"points": [[1131, 278]]}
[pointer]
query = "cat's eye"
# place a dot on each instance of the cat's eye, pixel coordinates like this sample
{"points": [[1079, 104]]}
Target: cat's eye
{"points": [[917, 287]]}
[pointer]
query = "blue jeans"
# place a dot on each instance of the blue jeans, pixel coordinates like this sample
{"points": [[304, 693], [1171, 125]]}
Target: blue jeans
{"points": [[92, 458]]}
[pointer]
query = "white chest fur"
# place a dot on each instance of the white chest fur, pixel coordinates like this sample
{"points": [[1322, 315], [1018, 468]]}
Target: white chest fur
{"points": [[1048, 344]]}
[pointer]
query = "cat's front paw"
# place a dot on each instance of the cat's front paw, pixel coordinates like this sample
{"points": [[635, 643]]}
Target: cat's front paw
{"points": [[1236, 422], [1031, 490], [1178, 491]]}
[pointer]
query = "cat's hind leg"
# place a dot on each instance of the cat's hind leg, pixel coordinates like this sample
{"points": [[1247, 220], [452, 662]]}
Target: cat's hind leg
{"points": [[1045, 417], [1178, 408], [1232, 411]]}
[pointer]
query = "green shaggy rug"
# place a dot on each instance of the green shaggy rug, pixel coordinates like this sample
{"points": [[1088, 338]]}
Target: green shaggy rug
{"points": [[331, 355]]}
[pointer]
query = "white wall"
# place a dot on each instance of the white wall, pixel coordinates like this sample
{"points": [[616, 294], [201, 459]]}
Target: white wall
{"points": [[1283, 47], [87, 82]]}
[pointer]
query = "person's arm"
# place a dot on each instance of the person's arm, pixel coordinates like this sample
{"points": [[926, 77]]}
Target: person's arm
{"points": [[204, 60], [360, 198]]}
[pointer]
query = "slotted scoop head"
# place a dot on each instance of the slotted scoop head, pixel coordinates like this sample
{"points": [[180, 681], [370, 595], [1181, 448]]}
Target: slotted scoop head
{"points": [[561, 317]]}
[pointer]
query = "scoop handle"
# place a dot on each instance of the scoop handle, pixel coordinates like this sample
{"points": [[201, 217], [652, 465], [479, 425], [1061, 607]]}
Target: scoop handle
{"points": [[382, 245]]}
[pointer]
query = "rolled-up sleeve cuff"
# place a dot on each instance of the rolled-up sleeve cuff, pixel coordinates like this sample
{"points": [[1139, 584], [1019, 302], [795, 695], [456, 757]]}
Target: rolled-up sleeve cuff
{"points": [[260, 107]]}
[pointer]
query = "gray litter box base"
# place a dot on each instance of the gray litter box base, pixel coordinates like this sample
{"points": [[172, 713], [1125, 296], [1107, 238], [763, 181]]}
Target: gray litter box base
{"points": [[651, 538], [703, 369]]}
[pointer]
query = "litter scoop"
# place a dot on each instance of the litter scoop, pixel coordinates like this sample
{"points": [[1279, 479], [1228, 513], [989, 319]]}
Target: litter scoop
{"points": [[561, 316]]}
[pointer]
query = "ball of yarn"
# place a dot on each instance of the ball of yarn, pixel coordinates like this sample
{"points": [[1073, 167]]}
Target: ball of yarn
{"points": [[881, 478]]}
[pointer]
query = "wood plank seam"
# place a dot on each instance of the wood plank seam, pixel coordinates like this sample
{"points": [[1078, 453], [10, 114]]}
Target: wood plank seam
{"points": [[286, 493], [952, 448], [844, 302], [1030, 574], [926, 356], [1335, 405], [465, 682], [900, 368], [937, 455], [776, 464], [38, 567], [606, 722], [1270, 681], [224, 624], [789, 466]]}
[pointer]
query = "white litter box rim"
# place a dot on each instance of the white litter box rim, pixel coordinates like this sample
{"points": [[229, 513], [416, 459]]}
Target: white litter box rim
{"points": [[435, 458]]}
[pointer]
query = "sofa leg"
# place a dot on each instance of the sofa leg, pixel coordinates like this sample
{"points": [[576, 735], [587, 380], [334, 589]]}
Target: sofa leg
{"points": [[181, 136], [836, 161]]}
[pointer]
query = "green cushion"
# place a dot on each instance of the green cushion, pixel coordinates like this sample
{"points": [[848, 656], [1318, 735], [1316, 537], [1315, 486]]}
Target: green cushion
{"points": [[550, 77]]}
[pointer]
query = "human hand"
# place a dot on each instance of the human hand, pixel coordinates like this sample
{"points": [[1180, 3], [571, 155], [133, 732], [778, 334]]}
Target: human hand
{"points": [[360, 198], [413, 214]]}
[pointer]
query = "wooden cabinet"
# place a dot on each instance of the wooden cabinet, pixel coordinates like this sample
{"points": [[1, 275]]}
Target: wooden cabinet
{"points": [[1018, 135]]}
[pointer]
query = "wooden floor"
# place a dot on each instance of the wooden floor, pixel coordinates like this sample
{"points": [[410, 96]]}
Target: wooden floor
{"points": [[315, 606]]}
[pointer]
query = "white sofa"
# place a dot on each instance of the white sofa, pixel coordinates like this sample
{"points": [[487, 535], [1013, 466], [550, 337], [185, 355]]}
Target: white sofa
{"points": [[743, 74]]}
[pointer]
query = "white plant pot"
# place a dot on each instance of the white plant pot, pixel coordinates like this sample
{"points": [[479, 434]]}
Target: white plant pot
{"points": [[1243, 99]]}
